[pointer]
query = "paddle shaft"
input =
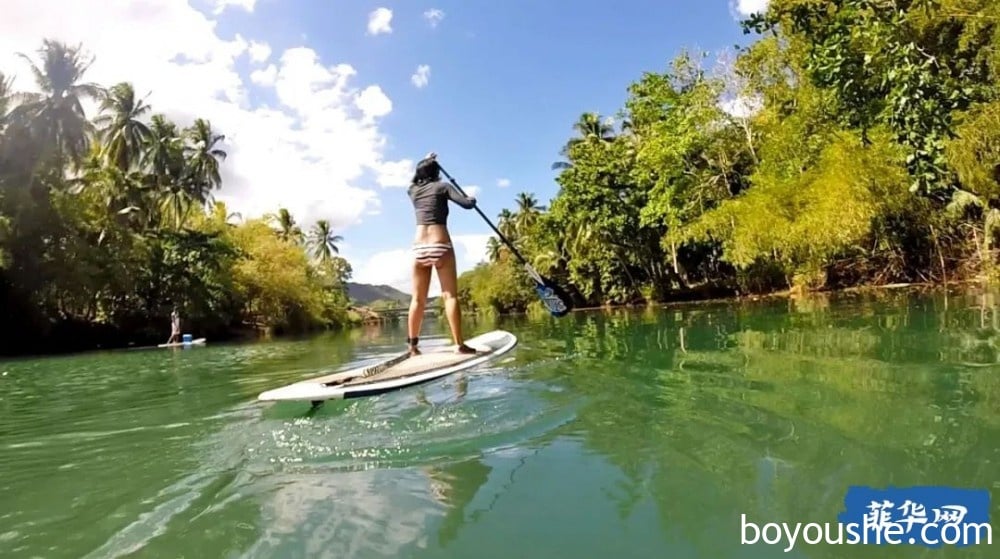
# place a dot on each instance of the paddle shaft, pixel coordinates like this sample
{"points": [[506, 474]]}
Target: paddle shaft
{"points": [[487, 220]]}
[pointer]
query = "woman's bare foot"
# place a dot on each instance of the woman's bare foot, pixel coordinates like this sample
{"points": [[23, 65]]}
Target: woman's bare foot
{"points": [[465, 349]]}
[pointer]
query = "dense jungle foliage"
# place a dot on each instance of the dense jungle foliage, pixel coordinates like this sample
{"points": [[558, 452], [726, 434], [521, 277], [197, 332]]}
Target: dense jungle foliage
{"points": [[855, 142], [108, 221]]}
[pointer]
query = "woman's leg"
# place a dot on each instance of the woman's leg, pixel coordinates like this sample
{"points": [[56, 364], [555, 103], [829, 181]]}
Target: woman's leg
{"points": [[448, 276], [418, 302]]}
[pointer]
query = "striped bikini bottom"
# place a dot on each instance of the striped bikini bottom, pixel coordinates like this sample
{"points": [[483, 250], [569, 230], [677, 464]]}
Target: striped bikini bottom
{"points": [[429, 254]]}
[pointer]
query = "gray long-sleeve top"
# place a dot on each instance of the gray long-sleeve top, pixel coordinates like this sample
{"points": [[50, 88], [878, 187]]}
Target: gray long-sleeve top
{"points": [[430, 201]]}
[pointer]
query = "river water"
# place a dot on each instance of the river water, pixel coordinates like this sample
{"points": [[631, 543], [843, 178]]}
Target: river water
{"points": [[619, 434]]}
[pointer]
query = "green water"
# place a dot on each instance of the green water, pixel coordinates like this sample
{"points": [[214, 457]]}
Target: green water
{"points": [[631, 434]]}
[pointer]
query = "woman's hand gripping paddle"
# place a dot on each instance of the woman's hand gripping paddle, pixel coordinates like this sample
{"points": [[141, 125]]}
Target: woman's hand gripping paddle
{"points": [[553, 297]]}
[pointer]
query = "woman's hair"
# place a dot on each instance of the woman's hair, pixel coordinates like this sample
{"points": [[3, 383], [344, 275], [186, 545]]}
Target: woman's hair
{"points": [[427, 171]]}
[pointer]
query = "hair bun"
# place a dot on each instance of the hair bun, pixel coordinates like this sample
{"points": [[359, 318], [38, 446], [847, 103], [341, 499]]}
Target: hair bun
{"points": [[427, 170]]}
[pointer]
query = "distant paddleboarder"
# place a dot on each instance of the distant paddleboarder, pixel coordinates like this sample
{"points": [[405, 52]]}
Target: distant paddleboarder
{"points": [[432, 249], [175, 327]]}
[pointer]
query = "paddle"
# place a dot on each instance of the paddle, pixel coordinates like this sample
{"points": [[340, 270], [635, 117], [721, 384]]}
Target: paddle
{"points": [[553, 297]]}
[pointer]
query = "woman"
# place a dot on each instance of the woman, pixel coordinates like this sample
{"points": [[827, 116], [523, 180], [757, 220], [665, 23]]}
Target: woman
{"points": [[432, 249], [175, 327]]}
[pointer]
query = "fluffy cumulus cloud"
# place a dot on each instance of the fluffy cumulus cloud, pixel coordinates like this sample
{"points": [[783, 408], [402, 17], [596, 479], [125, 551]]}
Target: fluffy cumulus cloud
{"points": [[396, 173], [421, 76], [259, 52], [373, 102], [748, 7], [434, 16], [221, 5], [472, 249], [380, 21], [264, 76], [395, 267], [309, 151]]}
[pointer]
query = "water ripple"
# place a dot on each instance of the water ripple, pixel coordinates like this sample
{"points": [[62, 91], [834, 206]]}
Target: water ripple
{"points": [[659, 426]]}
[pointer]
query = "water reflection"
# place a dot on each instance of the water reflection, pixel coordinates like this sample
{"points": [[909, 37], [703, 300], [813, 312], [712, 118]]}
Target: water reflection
{"points": [[454, 486], [776, 407], [371, 513], [625, 433]]}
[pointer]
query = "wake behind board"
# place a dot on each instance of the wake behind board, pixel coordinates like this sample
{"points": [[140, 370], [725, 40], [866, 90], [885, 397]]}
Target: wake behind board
{"points": [[395, 373], [199, 341]]}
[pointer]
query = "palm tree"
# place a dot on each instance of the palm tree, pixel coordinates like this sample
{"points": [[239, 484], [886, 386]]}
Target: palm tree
{"points": [[493, 247], [323, 241], [163, 159], [505, 223], [123, 193], [6, 96], [123, 133], [55, 118], [164, 151], [527, 213], [203, 159], [588, 127], [222, 215], [287, 229]]}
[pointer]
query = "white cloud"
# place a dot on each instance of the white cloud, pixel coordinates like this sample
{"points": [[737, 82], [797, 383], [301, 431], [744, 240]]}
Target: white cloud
{"points": [[749, 7], [472, 190], [421, 76], [221, 5], [259, 52], [503, 183], [395, 267], [388, 267], [396, 173], [373, 102], [473, 250], [266, 76], [434, 16], [379, 21], [307, 153]]}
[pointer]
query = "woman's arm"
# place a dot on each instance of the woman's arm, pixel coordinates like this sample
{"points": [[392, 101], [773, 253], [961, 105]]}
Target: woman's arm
{"points": [[454, 195]]}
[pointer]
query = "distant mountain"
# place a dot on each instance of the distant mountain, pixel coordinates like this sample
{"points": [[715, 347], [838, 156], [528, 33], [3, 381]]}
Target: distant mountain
{"points": [[365, 294]]}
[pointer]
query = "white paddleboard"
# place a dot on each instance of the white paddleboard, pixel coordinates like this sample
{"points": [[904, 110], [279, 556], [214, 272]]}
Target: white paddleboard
{"points": [[199, 341], [395, 373]]}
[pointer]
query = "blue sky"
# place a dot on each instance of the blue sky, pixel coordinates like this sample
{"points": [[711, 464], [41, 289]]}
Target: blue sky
{"points": [[507, 80]]}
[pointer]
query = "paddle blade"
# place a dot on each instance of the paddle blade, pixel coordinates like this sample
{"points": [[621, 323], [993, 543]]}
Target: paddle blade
{"points": [[555, 299]]}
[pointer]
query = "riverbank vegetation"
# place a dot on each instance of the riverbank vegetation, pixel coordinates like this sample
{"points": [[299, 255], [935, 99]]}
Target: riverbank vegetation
{"points": [[853, 143], [108, 221]]}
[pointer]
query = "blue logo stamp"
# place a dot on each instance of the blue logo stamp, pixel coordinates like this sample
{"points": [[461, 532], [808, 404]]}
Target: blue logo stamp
{"points": [[924, 515]]}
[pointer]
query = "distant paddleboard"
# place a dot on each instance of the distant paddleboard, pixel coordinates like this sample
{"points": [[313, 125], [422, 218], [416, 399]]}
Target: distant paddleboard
{"points": [[199, 341], [395, 373]]}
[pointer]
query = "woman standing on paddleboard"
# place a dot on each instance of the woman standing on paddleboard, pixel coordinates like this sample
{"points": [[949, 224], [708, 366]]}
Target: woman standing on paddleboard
{"points": [[175, 327], [432, 249]]}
